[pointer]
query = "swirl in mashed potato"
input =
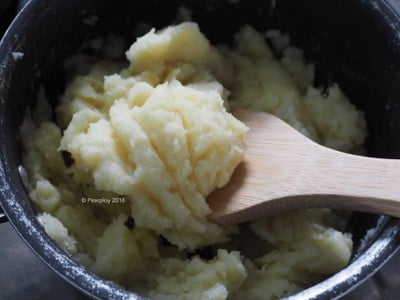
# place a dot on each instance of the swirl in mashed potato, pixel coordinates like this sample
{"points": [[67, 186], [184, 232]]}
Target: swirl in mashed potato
{"points": [[157, 136]]}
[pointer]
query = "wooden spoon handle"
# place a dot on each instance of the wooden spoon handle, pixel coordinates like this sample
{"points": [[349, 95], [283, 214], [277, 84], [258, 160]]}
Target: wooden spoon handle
{"points": [[285, 171], [355, 182]]}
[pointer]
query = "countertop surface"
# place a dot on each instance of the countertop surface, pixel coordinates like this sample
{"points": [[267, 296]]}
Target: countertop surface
{"points": [[24, 276]]}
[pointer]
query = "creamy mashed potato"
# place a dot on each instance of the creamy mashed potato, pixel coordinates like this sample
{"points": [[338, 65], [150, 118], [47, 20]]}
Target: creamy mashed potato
{"points": [[121, 178]]}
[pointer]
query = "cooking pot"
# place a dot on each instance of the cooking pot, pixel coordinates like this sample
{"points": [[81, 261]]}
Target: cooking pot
{"points": [[355, 43]]}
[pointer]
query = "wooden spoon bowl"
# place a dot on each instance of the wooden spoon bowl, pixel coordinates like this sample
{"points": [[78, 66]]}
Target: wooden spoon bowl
{"points": [[284, 170]]}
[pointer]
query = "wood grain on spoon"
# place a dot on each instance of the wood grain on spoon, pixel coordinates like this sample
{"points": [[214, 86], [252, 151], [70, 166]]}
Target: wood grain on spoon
{"points": [[283, 170]]}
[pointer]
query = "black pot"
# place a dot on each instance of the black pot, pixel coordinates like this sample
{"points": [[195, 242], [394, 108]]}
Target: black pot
{"points": [[353, 42]]}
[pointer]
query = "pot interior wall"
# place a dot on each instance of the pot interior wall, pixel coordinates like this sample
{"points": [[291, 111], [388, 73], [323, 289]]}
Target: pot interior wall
{"points": [[353, 43], [362, 56]]}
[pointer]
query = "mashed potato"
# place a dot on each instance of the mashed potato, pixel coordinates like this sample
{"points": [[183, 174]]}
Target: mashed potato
{"points": [[121, 178]]}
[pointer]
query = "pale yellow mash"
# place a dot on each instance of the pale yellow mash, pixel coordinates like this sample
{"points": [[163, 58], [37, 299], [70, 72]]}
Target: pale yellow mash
{"points": [[121, 178]]}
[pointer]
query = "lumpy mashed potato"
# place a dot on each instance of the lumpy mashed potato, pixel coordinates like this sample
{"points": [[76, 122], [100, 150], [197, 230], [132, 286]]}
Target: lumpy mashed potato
{"points": [[121, 178]]}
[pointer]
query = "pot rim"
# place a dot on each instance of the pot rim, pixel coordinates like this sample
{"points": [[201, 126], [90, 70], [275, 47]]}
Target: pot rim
{"points": [[24, 221]]}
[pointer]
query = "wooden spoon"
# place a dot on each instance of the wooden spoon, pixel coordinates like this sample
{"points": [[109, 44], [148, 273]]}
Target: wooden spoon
{"points": [[284, 170]]}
